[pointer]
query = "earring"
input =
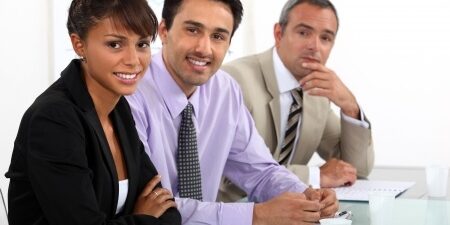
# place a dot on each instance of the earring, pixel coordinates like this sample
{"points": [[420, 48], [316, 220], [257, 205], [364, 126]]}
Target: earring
{"points": [[82, 58]]}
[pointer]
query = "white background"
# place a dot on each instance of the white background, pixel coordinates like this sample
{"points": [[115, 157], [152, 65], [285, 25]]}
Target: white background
{"points": [[393, 55]]}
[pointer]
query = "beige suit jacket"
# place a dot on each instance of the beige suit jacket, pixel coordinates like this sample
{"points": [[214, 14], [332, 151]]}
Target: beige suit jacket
{"points": [[321, 129]]}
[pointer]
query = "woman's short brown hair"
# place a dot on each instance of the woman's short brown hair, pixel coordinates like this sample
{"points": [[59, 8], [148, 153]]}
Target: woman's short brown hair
{"points": [[135, 15]]}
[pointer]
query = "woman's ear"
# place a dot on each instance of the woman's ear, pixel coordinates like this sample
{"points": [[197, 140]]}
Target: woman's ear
{"points": [[77, 44]]}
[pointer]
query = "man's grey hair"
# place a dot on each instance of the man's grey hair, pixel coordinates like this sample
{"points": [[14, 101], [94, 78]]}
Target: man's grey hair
{"points": [[290, 4]]}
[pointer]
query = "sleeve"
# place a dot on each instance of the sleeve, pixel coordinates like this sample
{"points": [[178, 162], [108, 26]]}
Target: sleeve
{"points": [[172, 215], [138, 109], [250, 164], [195, 212], [59, 172], [357, 146], [359, 122], [349, 142]]}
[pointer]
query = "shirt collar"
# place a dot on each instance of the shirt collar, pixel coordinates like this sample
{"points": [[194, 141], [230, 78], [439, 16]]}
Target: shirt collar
{"points": [[286, 81], [173, 95]]}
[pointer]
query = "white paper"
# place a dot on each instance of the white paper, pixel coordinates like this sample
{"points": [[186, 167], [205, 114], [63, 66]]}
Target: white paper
{"points": [[360, 190]]}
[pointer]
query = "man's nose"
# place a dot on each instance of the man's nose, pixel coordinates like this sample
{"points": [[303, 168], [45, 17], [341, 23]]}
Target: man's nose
{"points": [[314, 43], [204, 45]]}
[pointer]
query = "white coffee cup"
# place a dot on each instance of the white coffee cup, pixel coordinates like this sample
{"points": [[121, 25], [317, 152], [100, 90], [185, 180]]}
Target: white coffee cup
{"points": [[437, 179], [335, 221], [381, 206]]}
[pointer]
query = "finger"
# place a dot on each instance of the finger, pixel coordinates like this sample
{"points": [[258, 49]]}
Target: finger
{"points": [[329, 198], [313, 76], [310, 223], [310, 217], [292, 195], [164, 196], [157, 192], [319, 92], [349, 175], [150, 186], [307, 205], [348, 180], [166, 205], [347, 171], [345, 164], [350, 170], [301, 195], [315, 66], [169, 204], [330, 210], [317, 83], [312, 194], [353, 179]]}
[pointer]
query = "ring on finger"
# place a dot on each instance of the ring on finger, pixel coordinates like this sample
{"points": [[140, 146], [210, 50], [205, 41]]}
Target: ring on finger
{"points": [[156, 193]]}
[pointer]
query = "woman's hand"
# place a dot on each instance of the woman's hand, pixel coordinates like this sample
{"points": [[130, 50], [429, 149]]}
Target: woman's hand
{"points": [[154, 201]]}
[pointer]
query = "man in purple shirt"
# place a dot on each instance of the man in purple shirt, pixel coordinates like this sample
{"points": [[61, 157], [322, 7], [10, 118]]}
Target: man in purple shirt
{"points": [[196, 35]]}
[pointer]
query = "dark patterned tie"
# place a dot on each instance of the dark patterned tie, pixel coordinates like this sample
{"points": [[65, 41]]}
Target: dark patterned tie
{"points": [[189, 178], [291, 126]]}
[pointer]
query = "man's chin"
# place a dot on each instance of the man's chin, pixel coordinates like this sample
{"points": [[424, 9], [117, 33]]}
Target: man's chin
{"points": [[198, 81], [301, 73]]}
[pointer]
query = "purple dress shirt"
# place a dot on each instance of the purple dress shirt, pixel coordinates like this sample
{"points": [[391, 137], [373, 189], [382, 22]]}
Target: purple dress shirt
{"points": [[228, 144]]}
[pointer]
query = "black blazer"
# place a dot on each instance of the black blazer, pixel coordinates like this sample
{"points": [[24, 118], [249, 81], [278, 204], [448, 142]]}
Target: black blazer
{"points": [[62, 171]]}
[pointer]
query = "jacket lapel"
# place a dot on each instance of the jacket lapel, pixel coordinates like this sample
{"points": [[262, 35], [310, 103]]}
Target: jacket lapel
{"points": [[268, 71], [73, 80], [310, 129], [123, 131]]}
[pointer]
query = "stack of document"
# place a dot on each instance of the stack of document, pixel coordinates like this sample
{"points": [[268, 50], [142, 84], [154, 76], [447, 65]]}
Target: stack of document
{"points": [[360, 190]]}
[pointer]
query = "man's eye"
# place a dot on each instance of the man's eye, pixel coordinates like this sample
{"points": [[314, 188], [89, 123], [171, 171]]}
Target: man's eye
{"points": [[192, 30], [303, 33], [218, 37], [327, 38]]}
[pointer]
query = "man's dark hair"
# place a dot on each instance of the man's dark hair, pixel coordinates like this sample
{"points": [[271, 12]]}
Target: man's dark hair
{"points": [[133, 14], [290, 4], [171, 7]]}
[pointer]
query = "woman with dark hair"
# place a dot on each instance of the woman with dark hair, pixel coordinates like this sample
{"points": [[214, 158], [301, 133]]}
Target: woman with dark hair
{"points": [[77, 158]]}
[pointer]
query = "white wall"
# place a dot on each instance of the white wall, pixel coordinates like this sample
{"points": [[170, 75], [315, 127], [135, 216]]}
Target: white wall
{"points": [[24, 67], [392, 54]]}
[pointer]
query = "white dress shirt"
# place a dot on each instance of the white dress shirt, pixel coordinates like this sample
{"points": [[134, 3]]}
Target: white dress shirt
{"points": [[287, 82]]}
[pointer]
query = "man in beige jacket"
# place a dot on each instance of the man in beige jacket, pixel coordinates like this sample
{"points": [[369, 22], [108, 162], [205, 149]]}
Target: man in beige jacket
{"points": [[288, 90]]}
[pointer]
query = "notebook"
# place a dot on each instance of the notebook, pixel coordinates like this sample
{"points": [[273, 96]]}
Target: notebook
{"points": [[360, 190]]}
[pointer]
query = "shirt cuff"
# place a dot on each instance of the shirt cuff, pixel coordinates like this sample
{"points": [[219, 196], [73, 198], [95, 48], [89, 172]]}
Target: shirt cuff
{"points": [[314, 177], [361, 122], [233, 212]]}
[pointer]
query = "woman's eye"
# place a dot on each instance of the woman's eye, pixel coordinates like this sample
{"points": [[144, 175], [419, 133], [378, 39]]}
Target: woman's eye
{"points": [[144, 45], [114, 45]]}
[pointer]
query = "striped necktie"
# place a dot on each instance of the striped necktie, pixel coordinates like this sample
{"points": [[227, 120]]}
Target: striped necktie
{"points": [[189, 177], [291, 126]]}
